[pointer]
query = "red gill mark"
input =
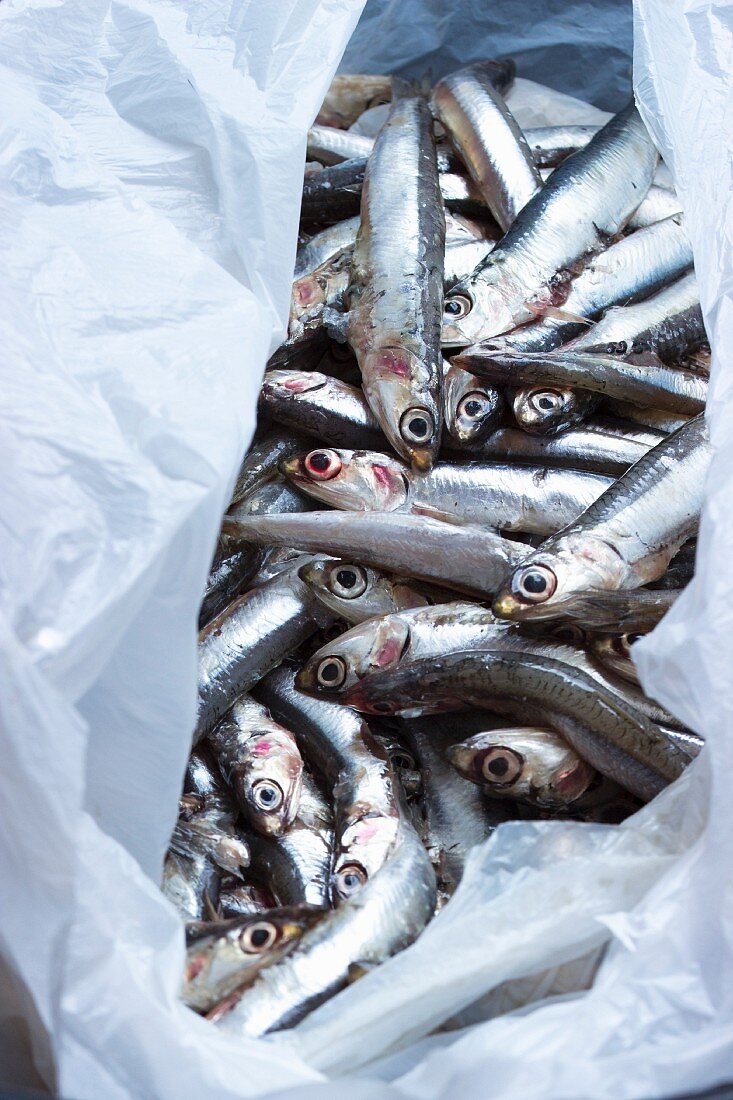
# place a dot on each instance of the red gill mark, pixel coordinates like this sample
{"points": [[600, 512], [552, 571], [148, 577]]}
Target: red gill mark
{"points": [[388, 653], [262, 747], [394, 362], [306, 292], [298, 385], [383, 476]]}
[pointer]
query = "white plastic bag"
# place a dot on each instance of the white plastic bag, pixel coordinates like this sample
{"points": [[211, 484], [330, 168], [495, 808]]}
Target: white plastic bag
{"points": [[149, 174]]}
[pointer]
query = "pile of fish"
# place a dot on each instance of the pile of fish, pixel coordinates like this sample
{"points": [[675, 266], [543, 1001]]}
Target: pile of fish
{"points": [[476, 481]]}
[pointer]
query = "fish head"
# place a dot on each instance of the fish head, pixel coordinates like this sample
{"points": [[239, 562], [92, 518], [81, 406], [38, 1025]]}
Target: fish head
{"points": [[539, 586], [366, 838], [288, 385], [233, 952], [354, 481], [398, 386], [344, 586], [615, 653], [544, 410], [367, 647], [477, 308], [527, 764], [472, 408], [269, 783]]}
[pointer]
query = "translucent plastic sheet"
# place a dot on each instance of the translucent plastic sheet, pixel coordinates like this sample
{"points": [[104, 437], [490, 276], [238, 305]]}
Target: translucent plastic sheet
{"points": [[150, 166]]}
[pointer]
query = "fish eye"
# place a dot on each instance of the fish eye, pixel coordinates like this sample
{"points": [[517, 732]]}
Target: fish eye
{"points": [[403, 761], [500, 766], [348, 581], [258, 937], [349, 880], [331, 673], [545, 401], [322, 465], [623, 643], [267, 795], [457, 306], [474, 405], [534, 583], [416, 426], [569, 634]]}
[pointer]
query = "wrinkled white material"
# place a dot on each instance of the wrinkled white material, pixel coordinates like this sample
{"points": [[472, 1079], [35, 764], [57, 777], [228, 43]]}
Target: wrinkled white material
{"points": [[150, 167]]}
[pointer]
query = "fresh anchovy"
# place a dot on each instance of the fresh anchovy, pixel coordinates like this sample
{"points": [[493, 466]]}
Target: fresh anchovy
{"points": [[393, 639], [469, 558], [297, 865], [456, 817], [303, 350], [624, 540], [625, 611], [324, 245], [472, 408], [334, 194], [550, 145], [387, 915], [610, 735], [322, 289], [350, 95], [488, 140], [260, 462], [614, 653], [340, 747], [625, 272], [321, 406], [466, 244], [506, 497], [243, 899], [657, 204], [404, 766], [531, 764], [236, 567], [356, 593], [588, 199], [261, 763], [607, 447], [251, 636], [396, 290], [551, 409], [646, 382], [331, 145], [645, 416], [227, 955]]}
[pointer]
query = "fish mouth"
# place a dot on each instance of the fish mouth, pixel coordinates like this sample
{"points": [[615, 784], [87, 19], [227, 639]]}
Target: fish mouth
{"points": [[291, 467], [507, 606], [422, 460], [305, 678], [459, 758]]}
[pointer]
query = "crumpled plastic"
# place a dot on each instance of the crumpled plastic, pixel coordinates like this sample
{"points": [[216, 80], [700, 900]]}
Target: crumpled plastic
{"points": [[150, 167]]}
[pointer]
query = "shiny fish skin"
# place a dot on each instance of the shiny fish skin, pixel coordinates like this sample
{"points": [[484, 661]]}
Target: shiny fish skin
{"points": [[611, 736], [225, 955], [658, 203], [340, 747], [468, 558], [548, 409], [488, 140], [260, 462], [386, 916], [530, 764], [317, 405], [350, 95], [550, 145], [614, 653], [645, 416], [588, 199], [331, 145], [251, 636], [260, 761], [396, 293], [356, 593], [297, 865], [322, 289], [606, 447], [626, 539], [505, 497], [472, 409], [333, 194], [625, 611], [456, 816], [323, 245]]}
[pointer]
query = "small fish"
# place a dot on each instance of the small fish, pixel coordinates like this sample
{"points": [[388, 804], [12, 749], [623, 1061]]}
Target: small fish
{"points": [[472, 408], [605, 446], [260, 761], [614, 653], [551, 145], [318, 405], [530, 764], [356, 592], [331, 145]]}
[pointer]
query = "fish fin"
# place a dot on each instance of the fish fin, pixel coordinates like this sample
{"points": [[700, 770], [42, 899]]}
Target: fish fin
{"points": [[417, 508], [359, 970], [644, 359], [558, 314]]}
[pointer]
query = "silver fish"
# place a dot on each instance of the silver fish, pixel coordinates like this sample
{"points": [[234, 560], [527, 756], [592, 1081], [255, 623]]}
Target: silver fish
{"points": [[243, 899], [340, 747], [588, 199], [260, 462], [356, 593], [260, 761], [472, 408], [608, 733], [327, 408], [488, 140], [624, 540], [550, 145], [469, 558], [297, 864], [505, 497], [658, 203], [331, 145], [614, 653], [324, 245], [251, 636], [627, 611], [227, 955], [388, 914], [396, 291], [606, 446], [529, 763]]}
